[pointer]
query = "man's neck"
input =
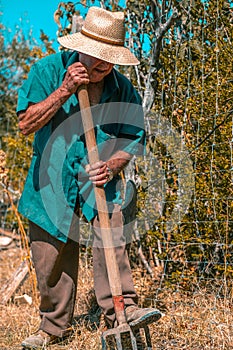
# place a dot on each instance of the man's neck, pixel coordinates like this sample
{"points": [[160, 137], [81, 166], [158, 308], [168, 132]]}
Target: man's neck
{"points": [[95, 91]]}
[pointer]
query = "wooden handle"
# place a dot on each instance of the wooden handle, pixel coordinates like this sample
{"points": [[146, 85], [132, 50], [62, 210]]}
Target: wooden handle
{"points": [[101, 203]]}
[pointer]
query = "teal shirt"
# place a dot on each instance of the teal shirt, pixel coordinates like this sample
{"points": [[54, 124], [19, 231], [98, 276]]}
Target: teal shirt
{"points": [[57, 179]]}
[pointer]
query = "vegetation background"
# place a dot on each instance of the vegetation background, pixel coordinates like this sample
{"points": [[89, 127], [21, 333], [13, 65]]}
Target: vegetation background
{"points": [[182, 250]]}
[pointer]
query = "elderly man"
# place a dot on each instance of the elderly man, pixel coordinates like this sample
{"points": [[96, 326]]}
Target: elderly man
{"points": [[60, 181]]}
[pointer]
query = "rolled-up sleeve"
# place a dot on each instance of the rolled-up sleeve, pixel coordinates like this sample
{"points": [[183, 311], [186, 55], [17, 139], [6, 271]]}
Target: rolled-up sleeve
{"points": [[39, 85]]}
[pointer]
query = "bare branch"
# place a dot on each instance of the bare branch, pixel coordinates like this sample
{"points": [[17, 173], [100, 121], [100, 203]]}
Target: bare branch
{"points": [[154, 10], [164, 28], [140, 253]]}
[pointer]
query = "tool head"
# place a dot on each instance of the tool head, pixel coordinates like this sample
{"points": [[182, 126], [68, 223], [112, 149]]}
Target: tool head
{"points": [[120, 335]]}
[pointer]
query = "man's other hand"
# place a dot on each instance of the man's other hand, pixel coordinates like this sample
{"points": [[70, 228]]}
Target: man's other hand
{"points": [[98, 173]]}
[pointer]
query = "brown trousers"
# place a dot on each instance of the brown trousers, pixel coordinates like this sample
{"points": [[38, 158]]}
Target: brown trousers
{"points": [[56, 265]]}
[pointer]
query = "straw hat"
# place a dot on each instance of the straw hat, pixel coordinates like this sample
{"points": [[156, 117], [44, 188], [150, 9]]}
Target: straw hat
{"points": [[102, 36]]}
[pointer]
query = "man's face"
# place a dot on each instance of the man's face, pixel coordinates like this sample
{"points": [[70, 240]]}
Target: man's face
{"points": [[96, 68]]}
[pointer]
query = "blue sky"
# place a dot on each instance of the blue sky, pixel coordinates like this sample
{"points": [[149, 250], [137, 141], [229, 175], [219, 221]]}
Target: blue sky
{"points": [[36, 14]]}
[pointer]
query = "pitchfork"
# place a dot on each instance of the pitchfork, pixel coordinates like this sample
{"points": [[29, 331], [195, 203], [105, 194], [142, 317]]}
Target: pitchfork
{"points": [[123, 330]]}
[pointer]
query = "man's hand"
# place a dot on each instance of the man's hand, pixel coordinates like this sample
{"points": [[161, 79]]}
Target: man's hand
{"points": [[76, 75], [39, 114], [98, 173]]}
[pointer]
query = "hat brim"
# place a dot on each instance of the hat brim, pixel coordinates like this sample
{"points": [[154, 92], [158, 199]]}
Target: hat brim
{"points": [[114, 54]]}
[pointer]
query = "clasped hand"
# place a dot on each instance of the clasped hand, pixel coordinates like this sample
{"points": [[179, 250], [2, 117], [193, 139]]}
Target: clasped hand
{"points": [[98, 173]]}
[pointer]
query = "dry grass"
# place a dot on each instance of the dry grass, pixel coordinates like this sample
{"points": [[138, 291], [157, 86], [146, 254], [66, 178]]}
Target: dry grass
{"points": [[201, 320]]}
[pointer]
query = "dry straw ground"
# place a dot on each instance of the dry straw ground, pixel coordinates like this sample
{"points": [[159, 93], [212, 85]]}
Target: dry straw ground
{"points": [[201, 320]]}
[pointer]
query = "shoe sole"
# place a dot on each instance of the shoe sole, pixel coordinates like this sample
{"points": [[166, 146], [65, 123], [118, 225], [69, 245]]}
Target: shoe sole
{"points": [[34, 347], [146, 319], [38, 347], [56, 340], [29, 347]]}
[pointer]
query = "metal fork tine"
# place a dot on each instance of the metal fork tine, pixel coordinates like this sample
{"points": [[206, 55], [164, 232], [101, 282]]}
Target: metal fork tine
{"points": [[118, 342], [103, 342], [148, 337], [133, 341]]}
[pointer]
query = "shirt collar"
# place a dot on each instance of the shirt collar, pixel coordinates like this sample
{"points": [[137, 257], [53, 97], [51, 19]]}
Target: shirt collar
{"points": [[72, 58], [68, 58]]}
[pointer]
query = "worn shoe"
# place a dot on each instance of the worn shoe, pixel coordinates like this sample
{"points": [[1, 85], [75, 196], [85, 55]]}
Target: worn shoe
{"points": [[137, 317], [39, 340]]}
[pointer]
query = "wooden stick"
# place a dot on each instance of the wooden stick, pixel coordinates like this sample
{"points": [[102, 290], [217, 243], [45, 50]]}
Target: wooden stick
{"points": [[102, 208], [14, 282]]}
